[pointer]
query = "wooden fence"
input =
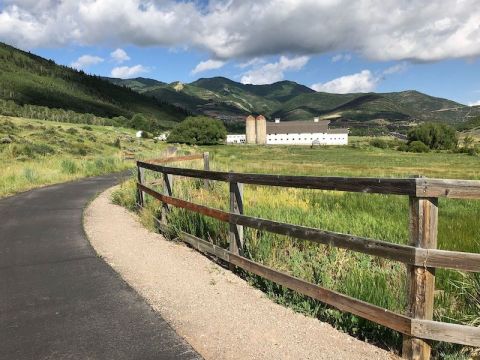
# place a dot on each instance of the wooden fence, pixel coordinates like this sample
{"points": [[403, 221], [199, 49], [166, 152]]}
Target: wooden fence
{"points": [[420, 256]]}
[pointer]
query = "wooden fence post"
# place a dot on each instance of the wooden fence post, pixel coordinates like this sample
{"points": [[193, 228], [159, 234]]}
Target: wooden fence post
{"points": [[167, 190], [206, 167], [141, 180], [236, 206], [421, 279]]}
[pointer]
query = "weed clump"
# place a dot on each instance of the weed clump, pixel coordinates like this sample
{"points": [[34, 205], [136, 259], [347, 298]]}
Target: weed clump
{"points": [[72, 131], [29, 174], [68, 166]]}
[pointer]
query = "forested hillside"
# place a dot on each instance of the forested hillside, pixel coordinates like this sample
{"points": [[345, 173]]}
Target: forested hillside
{"points": [[366, 112], [27, 79]]}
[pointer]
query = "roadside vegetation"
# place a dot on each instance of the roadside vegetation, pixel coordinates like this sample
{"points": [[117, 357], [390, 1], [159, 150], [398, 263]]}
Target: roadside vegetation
{"points": [[198, 130], [372, 279], [34, 153]]}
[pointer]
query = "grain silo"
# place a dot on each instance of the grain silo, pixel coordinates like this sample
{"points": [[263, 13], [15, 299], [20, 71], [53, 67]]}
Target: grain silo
{"points": [[250, 130], [261, 130]]}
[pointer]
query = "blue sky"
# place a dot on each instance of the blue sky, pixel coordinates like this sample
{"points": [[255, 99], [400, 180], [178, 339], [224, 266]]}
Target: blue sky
{"points": [[329, 45]]}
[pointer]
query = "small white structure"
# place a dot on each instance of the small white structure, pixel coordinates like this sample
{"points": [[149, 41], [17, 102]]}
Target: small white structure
{"points": [[162, 136], [316, 132], [236, 139], [139, 133]]}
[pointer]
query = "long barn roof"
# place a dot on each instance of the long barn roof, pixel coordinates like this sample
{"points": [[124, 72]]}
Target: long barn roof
{"points": [[296, 127]]}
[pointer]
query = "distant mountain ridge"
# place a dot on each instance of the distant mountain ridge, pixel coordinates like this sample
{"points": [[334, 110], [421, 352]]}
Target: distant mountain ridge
{"points": [[231, 101], [26, 78]]}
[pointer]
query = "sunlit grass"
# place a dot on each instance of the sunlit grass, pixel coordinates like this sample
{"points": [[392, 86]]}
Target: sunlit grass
{"points": [[378, 281], [35, 153]]}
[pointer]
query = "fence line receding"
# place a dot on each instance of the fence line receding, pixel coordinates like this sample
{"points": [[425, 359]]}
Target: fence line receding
{"points": [[420, 255]]}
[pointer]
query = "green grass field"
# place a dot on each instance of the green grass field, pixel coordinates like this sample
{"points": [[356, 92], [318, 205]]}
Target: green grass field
{"points": [[376, 280], [35, 153]]}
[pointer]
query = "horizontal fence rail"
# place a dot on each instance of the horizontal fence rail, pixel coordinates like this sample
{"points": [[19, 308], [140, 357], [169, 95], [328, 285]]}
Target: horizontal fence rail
{"points": [[420, 256], [403, 253], [420, 187]]}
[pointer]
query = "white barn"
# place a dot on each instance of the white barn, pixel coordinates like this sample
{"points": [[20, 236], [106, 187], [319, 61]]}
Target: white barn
{"points": [[236, 139], [316, 132]]}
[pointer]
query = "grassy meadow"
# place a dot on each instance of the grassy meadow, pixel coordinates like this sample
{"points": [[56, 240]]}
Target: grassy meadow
{"points": [[373, 279], [35, 153]]}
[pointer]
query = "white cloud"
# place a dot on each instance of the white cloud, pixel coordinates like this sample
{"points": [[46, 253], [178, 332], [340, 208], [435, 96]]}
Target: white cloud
{"points": [[397, 68], [376, 29], [125, 72], [85, 61], [253, 62], [272, 72], [119, 55], [364, 81], [208, 65], [475, 103], [340, 57]]}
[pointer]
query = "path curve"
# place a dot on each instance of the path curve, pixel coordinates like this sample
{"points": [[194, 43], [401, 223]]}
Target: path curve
{"points": [[58, 299], [219, 314]]}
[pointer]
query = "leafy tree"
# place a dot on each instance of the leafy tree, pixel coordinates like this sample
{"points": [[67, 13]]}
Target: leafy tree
{"points": [[198, 130], [435, 136], [139, 122]]}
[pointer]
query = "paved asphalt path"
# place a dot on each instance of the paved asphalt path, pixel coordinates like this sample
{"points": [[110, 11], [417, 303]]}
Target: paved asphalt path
{"points": [[58, 299]]}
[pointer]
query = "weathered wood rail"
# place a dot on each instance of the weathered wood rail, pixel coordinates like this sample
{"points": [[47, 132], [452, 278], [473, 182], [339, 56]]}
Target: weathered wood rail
{"points": [[420, 256]]}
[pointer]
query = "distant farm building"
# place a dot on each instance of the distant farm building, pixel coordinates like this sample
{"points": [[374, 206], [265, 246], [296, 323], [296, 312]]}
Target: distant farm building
{"points": [[316, 132]]}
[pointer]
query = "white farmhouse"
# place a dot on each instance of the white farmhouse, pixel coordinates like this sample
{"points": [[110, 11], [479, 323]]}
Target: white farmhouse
{"points": [[316, 132]]}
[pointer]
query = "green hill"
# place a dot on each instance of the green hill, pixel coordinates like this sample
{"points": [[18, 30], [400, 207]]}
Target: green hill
{"points": [[29, 79], [231, 101]]}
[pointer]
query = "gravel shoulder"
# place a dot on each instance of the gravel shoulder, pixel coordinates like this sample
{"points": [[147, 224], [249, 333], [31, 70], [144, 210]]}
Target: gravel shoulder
{"points": [[219, 314]]}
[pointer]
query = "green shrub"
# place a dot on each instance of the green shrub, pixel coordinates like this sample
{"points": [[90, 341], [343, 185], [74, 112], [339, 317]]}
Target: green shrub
{"points": [[87, 127], [117, 144], [435, 136], [139, 122], [418, 147], [29, 150], [379, 143], [68, 166], [72, 131], [50, 131], [199, 130]]}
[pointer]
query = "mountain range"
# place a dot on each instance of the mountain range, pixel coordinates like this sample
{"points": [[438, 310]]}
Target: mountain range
{"points": [[231, 101], [26, 78]]}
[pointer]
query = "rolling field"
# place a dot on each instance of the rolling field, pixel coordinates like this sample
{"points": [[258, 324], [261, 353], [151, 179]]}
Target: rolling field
{"points": [[383, 217], [35, 153]]}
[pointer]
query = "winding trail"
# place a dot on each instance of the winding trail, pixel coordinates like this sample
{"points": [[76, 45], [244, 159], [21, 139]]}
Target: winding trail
{"points": [[58, 299], [220, 314]]}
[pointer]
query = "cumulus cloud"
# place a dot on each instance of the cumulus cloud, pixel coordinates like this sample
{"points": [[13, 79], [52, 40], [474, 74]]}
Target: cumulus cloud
{"points": [[119, 55], [340, 57], [364, 81], [376, 29], [272, 72], [125, 72], [85, 61], [207, 65]]}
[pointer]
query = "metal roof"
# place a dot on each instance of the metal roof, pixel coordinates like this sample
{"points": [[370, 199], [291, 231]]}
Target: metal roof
{"points": [[296, 127]]}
